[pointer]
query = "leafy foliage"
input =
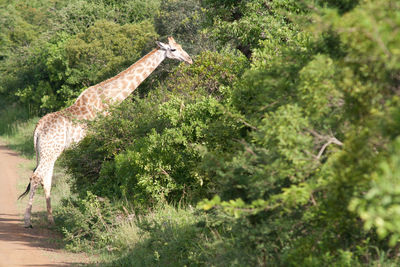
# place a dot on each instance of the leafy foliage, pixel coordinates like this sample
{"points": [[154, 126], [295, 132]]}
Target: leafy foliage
{"points": [[51, 51], [158, 154], [284, 133], [87, 221], [74, 63], [182, 19], [245, 23]]}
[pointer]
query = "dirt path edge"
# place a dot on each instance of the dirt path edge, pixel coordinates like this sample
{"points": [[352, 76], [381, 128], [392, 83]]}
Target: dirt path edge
{"points": [[20, 246]]}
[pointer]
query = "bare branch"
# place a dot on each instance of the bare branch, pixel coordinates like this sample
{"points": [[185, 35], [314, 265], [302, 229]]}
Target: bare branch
{"points": [[321, 151], [311, 131], [241, 120], [332, 140], [335, 141], [313, 199], [246, 145], [164, 171]]}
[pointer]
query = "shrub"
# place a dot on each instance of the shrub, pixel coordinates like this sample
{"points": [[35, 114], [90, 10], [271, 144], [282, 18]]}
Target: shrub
{"points": [[76, 16], [87, 223], [70, 64], [210, 73], [151, 149]]}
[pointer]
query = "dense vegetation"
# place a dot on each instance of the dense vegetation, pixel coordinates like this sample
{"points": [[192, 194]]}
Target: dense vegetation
{"points": [[278, 146]]}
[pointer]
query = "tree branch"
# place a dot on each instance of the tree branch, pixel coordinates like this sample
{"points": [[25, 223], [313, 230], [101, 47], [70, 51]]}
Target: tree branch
{"points": [[330, 139]]}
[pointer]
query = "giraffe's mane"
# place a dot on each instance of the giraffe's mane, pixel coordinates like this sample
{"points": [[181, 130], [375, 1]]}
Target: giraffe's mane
{"points": [[128, 69], [101, 84]]}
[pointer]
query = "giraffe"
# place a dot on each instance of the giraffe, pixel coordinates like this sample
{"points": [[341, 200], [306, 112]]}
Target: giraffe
{"points": [[58, 130]]}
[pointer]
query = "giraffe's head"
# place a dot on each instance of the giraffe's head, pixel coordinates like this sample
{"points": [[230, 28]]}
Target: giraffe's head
{"points": [[175, 51]]}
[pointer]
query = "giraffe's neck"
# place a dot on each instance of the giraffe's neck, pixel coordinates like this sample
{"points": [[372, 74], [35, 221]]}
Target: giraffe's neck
{"points": [[97, 98]]}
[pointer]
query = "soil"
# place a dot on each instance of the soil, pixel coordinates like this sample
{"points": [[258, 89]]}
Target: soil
{"points": [[19, 246]]}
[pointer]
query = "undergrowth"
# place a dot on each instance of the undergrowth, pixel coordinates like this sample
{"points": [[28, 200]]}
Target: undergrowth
{"points": [[169, 235], [161, 235]]}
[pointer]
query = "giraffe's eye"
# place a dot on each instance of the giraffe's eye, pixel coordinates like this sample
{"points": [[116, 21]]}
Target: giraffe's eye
{"points": [[173, 50]]}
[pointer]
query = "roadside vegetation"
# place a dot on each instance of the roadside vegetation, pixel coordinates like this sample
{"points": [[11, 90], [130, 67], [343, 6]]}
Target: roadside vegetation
{"points": [[279, 146]]}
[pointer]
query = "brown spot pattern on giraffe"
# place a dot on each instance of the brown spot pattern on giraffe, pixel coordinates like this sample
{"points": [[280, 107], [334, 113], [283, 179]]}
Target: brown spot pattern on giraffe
{"points": [[56, 131]]}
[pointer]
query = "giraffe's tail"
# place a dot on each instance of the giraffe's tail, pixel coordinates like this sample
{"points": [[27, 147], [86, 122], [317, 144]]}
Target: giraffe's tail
{"points": [[28, 188], [35, 145], [26, 191]]}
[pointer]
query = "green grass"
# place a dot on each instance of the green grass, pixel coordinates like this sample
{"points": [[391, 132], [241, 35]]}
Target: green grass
{"points": [[165, 236], [16, 130]]}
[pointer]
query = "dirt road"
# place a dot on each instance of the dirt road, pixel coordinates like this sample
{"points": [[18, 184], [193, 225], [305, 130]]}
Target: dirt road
{"points": [[20, 246]]}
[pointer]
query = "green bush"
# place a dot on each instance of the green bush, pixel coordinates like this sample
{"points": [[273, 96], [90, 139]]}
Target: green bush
{"points": [[243, 24], [159, 163], [72, 63], [49, 50], [76, 16], [152, 148], [111, 136], [209, 75], [165, 165], [169, 236], [87, 223], [379, 207]]}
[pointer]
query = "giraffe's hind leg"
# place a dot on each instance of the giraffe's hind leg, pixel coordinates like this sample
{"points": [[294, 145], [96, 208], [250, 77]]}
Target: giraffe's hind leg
{"points": [[27, 218], [42, 175], [49, 142], [47, 189]]}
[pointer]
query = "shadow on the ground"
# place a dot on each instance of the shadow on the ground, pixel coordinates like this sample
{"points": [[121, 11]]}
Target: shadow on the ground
{"points": [[12, 230], [7, 151]]}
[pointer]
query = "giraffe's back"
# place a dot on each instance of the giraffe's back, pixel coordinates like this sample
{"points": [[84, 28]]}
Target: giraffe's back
{"points": [[54, 133]]}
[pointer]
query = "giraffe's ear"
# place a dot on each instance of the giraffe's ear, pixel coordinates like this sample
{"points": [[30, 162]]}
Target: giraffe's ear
{"points": [[163, 46]]}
